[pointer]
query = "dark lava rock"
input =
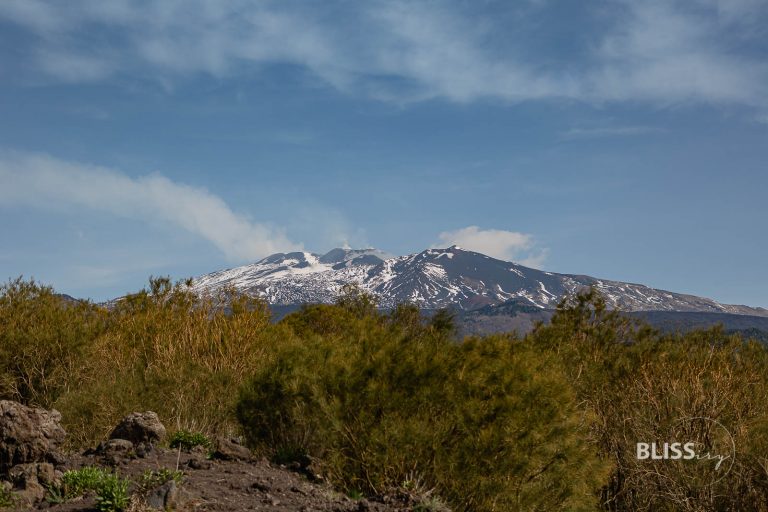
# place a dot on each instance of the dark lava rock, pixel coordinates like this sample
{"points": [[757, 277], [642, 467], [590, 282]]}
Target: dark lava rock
{"points": [[197, 463], [164, 497], [28, 435], [230, 449], [115, 451], [29, 481], [140, 428]]}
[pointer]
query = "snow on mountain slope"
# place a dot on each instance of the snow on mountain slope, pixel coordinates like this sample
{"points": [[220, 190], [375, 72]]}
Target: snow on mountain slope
{"points": [[437, 278], [297, 277]]}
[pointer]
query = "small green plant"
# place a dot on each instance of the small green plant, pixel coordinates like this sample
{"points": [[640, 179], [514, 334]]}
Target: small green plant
{"points": [[290, 454], [187, 440], [112, 494], [355, 494], [423, 496], [54, 495], [152, 479], [431, 504], [77, 482], [111, 490], [7, 499]]}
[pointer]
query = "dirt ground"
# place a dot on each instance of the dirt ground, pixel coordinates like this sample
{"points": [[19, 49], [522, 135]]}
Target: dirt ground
{"points": [[216, 485]]}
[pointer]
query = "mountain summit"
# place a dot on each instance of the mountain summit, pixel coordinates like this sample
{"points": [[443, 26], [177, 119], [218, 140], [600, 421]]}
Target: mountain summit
{"points": [[437, 278]]}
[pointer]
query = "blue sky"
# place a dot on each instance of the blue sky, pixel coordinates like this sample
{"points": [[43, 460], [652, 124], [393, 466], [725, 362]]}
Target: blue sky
{"points": [[621, 139]]}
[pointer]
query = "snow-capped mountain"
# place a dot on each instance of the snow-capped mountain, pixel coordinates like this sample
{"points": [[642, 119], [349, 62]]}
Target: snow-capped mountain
{"points": [[437, 278]]}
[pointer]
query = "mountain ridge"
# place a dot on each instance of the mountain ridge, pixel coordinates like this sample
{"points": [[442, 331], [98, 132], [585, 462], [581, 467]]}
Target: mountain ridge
{"points": [[437, 278]]}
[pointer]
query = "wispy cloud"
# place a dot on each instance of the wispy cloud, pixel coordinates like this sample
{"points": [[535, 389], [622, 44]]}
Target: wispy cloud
{"points": [[501, 244], [672, 51], [107, 274], [73, 67], [609, 131], [661, 51], [45, 182], [535, 260]]}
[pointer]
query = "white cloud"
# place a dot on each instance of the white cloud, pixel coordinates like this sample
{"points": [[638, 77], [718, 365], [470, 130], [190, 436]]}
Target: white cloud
{"points": [[669, 51], [498, 243], [106, 275], [535, 260], [71, 67], [442, 53], [609, 131], [45, 182], [661, 51]]}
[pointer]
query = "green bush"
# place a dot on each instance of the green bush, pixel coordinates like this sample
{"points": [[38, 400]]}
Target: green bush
{"points": [[636, 385], [490, 423], [546, 422], [43, 342], [187, 440], [112, 494], [111, 490], [166, 350], [7, 498], [150, 480], [75, 483]]}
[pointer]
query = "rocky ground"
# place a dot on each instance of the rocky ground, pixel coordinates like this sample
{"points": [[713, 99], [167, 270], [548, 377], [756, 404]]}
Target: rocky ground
{"points": [[220, 485], [226, 478]]}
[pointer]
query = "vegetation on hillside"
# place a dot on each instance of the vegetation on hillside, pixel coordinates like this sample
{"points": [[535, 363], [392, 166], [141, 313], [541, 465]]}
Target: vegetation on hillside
{"points": [[390, 401]]}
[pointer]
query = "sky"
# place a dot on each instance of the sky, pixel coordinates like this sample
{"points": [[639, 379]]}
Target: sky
{"points": [[621, 139]]}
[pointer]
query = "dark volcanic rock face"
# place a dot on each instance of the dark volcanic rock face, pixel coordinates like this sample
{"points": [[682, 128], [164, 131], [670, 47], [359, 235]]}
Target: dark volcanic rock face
{"points": [[140, 428], [30, 440], [28, 435]]}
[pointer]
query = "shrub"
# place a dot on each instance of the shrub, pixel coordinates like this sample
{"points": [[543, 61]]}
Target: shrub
{"points": [[187, 440], [423, 498], [111, 490], [170, 351], [77, 482], [43, 341], [517, 432], [7, 498], [150, 480], [489, 423], [112, 494], [636, 385], [547, 422]]}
